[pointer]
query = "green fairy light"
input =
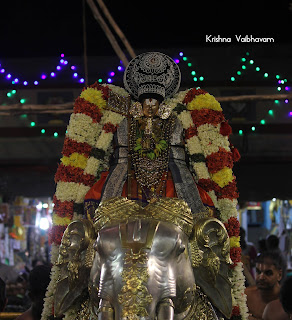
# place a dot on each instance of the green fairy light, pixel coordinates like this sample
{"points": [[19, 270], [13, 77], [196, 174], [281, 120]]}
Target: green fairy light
{"points": [[266, 74], [193, 73], [243, 67], [263, 121], [32, 124], [253, 128], [232, 78], [240, 132], [243, 59], [189, 64], [43, 131], [271, 112], [185, 58], [201, 78], [251, 62], [56, 134], [258, 68], [195, 78], [238, 72], [9, 94], [277, 101]]}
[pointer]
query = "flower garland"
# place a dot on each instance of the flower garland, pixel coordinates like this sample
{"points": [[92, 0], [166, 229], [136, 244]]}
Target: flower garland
{"points": [[87, 142], [212, 157]]}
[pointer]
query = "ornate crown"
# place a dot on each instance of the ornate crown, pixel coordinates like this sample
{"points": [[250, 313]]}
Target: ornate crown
{"points": [[152, 74]]}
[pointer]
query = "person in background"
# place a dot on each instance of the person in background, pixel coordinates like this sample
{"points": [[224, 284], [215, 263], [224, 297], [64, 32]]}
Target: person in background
{"points": [[270, 266], [272, 242], [280, 309], [39, 279], [248, 256], [3, 298]]}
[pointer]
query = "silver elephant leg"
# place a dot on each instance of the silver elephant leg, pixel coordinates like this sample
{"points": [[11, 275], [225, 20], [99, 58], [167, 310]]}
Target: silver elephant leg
{"points": [[105, 311], [165, 310]]}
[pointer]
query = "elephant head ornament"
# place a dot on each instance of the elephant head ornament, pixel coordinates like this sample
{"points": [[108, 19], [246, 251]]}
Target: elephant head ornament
{"points": [[142, 264]]}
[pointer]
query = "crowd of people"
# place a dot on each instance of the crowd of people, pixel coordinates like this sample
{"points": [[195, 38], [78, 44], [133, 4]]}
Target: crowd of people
{"points": [[24, 295], [269, 287]]}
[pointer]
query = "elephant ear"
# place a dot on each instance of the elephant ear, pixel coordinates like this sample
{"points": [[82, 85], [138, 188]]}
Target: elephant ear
{"points": [[210, 248], [74, 269]]}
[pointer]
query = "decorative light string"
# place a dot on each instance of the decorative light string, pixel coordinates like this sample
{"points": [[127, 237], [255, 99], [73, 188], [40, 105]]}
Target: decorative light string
{"points": [[247, 64], [281, 84]]}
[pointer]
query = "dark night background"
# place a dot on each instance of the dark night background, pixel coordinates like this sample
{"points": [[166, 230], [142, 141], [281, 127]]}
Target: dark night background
{"points": [[44, 28]]}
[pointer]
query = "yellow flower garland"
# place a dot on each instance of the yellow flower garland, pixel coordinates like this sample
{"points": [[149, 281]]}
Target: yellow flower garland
{"points": [[204, 101], [222, 177], [93, 96]]}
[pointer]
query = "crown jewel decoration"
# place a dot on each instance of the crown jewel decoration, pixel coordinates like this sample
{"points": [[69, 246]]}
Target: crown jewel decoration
{"points": [[152, 74]]}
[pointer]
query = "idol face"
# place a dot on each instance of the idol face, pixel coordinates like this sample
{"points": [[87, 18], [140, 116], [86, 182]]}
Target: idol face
{"points": [[267, 275], [150, 107]]}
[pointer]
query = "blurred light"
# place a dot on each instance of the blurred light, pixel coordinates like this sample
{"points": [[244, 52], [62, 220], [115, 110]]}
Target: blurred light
{"points": [[9, 94], [239, 73], [2, 70], [32, 124], [44, 223], [65, 62], [112, 74], [43, 76], [266, 75], [201, 78], [13, 91], [109, 80], [45, 205], [73, 67], [185, 58], [189, 64], [39, 206], [258, 68], [193, 73], [36, 83], [75, 74], [176, 61], [62, 55], [81, 80], [290, 114], [277, 101], [240, 132], [22, 100], [120, 68], [43, 131], [58, 68], [100, 80], [8, 76], [271, 112], [25, 83], [53, 74], [287, 88], [277, 76], [253, 128], [16, 80], [232, 79], [56, 134], [195, 79], [251, 61], [263, 121], [243, 59], [279, 88], [286, 101], [62, 61], [243, 67], [181, 54]]}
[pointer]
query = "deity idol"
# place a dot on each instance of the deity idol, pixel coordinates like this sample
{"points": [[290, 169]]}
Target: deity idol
{"points": [[146, 175]]}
